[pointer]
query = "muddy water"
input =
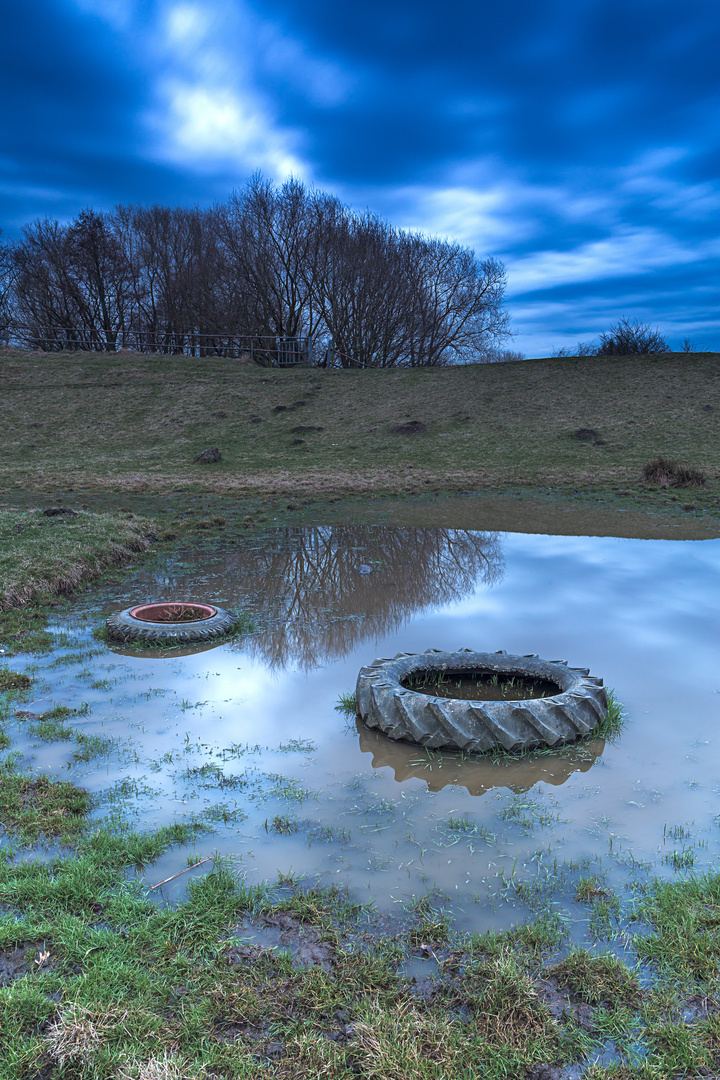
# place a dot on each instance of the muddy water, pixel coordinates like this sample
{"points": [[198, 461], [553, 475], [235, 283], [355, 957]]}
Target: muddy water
{"points": [[246, 735]]}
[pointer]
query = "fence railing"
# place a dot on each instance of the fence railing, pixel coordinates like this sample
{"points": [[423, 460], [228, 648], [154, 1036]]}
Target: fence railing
{"points": [[263, 349]]}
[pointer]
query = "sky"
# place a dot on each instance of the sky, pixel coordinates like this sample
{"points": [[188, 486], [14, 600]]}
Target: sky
{"points": [[576, 140]]}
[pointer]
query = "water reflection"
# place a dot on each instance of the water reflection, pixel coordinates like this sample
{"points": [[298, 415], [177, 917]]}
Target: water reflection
{"points": [[327, 589], [476, 775], [169, 653]]}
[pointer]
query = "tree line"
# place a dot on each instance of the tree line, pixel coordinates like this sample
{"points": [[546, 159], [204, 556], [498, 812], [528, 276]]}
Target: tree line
{"points": [[273, 270]]}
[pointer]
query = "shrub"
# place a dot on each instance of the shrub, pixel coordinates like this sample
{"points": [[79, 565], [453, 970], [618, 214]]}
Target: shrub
{"points": [[670, 474], [631, 338]]}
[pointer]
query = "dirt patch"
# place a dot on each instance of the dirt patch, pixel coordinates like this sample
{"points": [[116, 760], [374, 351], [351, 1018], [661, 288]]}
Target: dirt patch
{"points": [[301, 429], [698, 1007], [412, 427], [588, 435], [211, 454], [544, 1071], [562, 1006]]}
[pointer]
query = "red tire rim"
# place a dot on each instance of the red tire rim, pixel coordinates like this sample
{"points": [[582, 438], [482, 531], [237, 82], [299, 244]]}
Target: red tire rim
{"points": [[169, 611]]}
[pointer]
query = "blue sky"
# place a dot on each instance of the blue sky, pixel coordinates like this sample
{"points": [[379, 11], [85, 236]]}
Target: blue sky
{"points": [[577, 140]]}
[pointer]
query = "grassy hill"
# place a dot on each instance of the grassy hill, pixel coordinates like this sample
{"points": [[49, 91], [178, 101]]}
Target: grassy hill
{"points": [[134, 423]]}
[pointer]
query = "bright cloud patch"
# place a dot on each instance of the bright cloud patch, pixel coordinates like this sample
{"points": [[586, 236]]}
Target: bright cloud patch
{"points": [[223, 65], [212, 123], [623, 255]]}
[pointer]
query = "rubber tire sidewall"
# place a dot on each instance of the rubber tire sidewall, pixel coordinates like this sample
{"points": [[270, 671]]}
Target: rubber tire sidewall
{"points": [[124, 627]]}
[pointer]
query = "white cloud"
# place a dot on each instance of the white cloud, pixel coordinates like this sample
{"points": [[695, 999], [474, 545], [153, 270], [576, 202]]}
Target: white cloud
{"points": [[626, 253], [187, 24], [211, 123], [215, 68], [465, 214]]}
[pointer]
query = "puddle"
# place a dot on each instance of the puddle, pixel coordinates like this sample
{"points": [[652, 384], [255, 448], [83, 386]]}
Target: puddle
{"points": [[247, 737]]}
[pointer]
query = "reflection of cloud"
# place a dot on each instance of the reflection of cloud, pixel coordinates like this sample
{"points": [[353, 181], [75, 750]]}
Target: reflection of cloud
{"points": [[479, 774], [321, 603]]}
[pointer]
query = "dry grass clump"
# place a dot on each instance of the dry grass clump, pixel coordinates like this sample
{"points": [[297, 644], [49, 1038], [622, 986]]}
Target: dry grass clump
{"points": [[79, 1033], [667, 473], [157, 1068]]}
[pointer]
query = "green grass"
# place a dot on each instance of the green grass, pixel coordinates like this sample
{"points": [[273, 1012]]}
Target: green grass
{"points": [[14, 680], [346, 703], [686, 915], [74, 420], [34, 806], [611, 726], [45, 556]]}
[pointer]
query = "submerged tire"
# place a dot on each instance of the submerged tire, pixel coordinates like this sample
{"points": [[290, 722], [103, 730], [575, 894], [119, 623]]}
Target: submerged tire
{"points": [[476, 726], [124, 626]]}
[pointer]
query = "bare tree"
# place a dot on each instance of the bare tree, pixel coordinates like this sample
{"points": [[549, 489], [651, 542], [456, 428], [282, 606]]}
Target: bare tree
{"points": [[271, 258], [460, 311], [6, 284], [276, 265], [176, 281], [71, 285]]}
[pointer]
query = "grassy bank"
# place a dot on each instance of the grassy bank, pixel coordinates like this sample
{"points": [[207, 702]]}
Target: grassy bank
{"points": [[49, 552], [129, 423], [46, 554]]}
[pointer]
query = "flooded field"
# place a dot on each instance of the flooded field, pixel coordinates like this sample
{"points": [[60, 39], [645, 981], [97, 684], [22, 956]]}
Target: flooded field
{"points": [[247, 736]]}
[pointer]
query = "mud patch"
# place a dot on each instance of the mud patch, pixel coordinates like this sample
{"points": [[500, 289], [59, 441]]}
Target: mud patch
{"points": [[27, 958], [283, 932], [698, 1007], [588, 435], [562, 1006]]}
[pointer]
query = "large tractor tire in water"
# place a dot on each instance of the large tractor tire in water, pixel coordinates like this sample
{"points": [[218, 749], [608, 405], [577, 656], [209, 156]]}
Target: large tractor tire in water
{"points": [[384, 702], [153, 624]]}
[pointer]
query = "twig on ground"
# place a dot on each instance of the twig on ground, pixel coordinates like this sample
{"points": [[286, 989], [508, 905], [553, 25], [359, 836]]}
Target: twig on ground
{"points": [[179, 873]]}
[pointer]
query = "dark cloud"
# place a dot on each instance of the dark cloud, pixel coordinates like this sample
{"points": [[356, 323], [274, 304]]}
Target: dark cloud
{"points": [[580, 141]]}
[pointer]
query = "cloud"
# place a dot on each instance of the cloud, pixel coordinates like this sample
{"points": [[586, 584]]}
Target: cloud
{"points": [[120, 14], [207, 123], [627, 253], [217, 95]]}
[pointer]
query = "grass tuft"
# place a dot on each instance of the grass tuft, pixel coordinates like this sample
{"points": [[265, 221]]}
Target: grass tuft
{"points": [[14, 680], [613, 723], [597, 980], [666, 473], [347, 703]]}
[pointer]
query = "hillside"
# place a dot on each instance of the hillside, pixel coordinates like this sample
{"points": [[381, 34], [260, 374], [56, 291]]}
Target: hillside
{"points": [[128, 422]]}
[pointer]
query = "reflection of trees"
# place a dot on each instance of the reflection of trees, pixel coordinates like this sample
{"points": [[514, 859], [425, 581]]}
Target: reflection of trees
{"points": [[478, 774], [317, 603]]}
